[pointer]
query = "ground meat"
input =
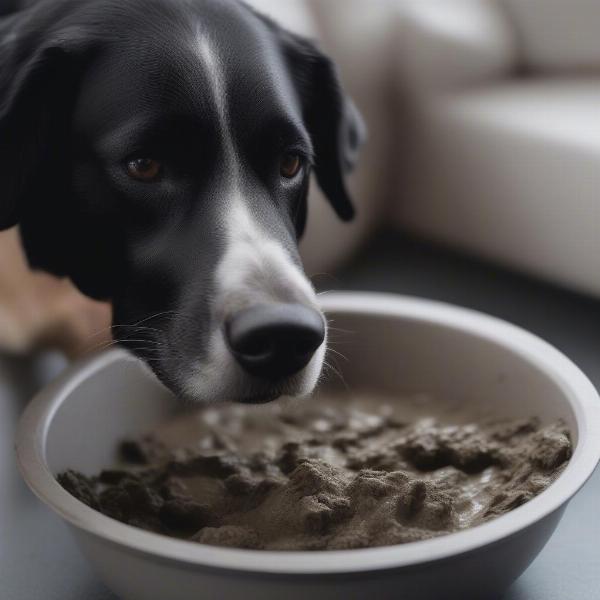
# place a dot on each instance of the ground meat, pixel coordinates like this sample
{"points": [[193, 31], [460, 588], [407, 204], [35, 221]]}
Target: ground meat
{"points": [[332, 473]]}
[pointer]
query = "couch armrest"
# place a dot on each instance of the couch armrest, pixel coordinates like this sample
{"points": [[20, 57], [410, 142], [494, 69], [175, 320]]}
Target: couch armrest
{"points": [[447, 44]]}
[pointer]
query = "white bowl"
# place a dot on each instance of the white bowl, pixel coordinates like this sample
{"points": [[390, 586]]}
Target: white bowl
{"points": [[396, 344]]}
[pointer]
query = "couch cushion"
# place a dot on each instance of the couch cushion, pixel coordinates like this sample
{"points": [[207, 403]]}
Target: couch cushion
{"points": [[444, 44], [557, 34], [564, 111], [511, 172]]}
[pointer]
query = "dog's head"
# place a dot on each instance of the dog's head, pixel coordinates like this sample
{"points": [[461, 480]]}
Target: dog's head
{"points": [[158, 153]]}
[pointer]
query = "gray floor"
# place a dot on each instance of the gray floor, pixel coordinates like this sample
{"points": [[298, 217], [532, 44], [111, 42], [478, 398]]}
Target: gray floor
{"points": [[38, 560]]}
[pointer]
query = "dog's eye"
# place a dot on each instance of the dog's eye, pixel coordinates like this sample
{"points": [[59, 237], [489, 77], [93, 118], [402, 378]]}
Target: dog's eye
{"points": [[291, 164], [143, 169]]}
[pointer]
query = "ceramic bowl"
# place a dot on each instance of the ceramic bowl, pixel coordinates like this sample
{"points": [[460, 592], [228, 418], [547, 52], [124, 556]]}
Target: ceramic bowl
{"points": [[394, 345]]}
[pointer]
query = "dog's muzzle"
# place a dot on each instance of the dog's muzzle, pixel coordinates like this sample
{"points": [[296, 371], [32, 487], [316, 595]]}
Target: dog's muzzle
{"points": [[275, 341]]}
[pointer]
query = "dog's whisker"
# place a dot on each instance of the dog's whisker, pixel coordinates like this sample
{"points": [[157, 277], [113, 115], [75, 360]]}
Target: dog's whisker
{"points": [[338, 342], [136, 328], [343, 356], [327, 365], [144, 350], [146, 340], [330, 326], [151, 317], [110, 329], [150, 343], [327, 369], [167, 314], [341, 330], [102, 346], [105, 345]]}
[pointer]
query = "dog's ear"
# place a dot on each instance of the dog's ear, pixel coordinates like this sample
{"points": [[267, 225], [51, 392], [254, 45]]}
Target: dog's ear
{"points": [[42, 52], [334, 123]]}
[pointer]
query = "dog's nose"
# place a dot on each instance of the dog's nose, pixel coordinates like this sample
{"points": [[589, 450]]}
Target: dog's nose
{"points": [[273, 341]]}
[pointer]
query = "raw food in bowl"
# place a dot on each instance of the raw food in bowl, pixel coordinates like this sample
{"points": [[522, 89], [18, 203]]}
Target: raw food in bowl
{"points": [[333, 472]]}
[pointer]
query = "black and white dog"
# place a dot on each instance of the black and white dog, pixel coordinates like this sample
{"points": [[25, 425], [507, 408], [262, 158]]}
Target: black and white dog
{"points": [[158, 153]]}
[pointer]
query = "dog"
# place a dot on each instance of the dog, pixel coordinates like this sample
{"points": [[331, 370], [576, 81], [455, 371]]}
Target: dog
{"points": [[158, 153]]}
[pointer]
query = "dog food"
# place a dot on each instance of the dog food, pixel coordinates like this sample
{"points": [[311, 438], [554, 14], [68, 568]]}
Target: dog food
{"points": [[326, 473]]}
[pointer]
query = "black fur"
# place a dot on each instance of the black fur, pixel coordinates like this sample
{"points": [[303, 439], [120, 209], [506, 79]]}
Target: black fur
{"points": [[85, 84]]}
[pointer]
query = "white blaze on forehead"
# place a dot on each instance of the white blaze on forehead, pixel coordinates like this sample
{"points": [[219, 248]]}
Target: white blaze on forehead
{"points": [[255, 266], [214, 70]]}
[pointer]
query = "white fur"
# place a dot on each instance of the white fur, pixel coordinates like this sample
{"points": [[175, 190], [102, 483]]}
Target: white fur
{"points": [[214, 71], [255, 268]]}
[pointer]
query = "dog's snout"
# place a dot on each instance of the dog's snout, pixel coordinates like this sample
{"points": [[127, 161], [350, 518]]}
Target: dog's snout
{"points": [[273, 341]]}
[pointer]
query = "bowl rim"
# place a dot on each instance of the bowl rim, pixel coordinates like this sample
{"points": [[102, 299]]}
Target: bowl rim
{"points": [[579, 391]]}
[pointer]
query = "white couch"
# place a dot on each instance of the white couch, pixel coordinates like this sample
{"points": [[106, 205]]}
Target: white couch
{"points": [[503, 155], [484, 120]]}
